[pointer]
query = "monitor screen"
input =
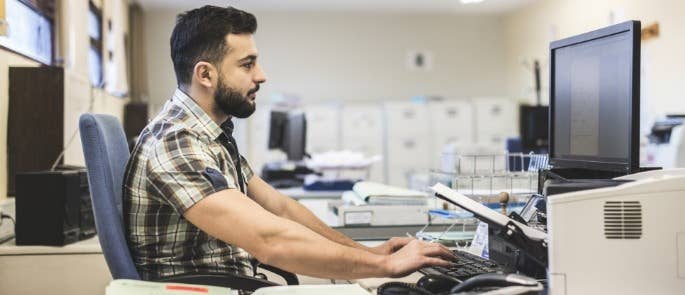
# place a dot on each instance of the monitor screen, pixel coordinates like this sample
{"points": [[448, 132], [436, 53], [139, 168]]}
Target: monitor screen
{"points": [[277, 123], [595, 99], [295, 136], [287, 132]]}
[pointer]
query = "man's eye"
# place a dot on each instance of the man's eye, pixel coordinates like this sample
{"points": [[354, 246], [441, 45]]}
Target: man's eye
{"points": [[248, 65]]}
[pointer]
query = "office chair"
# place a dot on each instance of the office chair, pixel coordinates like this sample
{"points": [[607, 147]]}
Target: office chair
{"points": [[106, 153]]}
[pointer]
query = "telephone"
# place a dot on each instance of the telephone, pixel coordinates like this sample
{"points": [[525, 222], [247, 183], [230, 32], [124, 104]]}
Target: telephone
{"points": [[444, 285]]}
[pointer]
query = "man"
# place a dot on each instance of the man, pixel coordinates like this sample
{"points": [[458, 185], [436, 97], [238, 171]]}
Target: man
{"points": [[192, 203]]}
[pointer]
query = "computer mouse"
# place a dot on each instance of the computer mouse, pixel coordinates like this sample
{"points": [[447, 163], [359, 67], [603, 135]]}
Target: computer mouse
{"points": [[436, 283]]}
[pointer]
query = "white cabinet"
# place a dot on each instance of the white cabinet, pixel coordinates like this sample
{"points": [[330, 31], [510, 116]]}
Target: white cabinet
{"points": [[410, 136], [408, 143], [404, 118], [452, 123], [323, 128], [362, 131], [77, 268], [406, 155], [496, 119]]}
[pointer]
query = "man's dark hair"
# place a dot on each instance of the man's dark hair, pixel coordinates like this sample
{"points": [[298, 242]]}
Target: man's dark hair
{"points": [[199, 35]]}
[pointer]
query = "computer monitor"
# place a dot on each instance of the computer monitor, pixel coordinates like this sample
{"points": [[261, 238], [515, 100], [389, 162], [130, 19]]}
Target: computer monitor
{"points": [[595, 100], [277, 121], [288, 133], [533, 126]]}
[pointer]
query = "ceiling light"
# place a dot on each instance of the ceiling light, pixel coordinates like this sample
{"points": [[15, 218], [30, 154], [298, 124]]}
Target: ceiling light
{"points": [[470, 1]]}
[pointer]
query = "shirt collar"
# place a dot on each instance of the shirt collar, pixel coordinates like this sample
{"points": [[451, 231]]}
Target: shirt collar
{"points": [[227, 127], [203, 123]]}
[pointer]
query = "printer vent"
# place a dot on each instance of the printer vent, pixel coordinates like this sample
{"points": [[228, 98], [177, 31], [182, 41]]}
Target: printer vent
{"points": [[622, 220]]}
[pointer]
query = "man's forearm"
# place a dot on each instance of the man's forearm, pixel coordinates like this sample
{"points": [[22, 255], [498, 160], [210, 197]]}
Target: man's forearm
{"points": [[300, 214], [304, 254]]}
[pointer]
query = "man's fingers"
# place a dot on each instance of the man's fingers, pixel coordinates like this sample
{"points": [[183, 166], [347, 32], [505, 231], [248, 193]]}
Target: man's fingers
{"points": [[429, 261], [436, 250], [401, 241]]}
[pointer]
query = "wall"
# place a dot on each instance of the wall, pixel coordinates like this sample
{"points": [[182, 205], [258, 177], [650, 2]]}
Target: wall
{"points": [[529, 31], [336, 56], [72, 48], [351, 57], [80, 96]]}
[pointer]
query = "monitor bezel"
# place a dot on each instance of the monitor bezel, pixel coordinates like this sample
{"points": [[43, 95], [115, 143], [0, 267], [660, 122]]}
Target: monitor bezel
{"points": [[631, 164]]}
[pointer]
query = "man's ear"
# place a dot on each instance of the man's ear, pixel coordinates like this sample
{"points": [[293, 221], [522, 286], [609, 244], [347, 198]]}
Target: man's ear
{"points": [[205, 74]]}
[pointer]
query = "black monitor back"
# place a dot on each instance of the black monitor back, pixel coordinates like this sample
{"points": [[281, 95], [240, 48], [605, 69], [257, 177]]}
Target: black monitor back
{"points": [[534, 128]]}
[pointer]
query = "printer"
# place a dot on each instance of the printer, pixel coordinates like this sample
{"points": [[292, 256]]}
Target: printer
{"points": [[666, 147], [376, 204], [626, 239]]}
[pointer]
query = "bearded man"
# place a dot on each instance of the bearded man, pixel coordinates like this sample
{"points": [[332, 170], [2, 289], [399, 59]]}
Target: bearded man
{"points": [[191, 202]]}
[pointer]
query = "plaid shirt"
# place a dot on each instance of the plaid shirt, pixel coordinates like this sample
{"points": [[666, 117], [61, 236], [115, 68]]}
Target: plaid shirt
{"points": [[181, 157]]}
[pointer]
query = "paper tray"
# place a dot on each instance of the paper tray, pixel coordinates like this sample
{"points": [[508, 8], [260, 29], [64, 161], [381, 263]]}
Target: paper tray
{"points": [[484, 213]]}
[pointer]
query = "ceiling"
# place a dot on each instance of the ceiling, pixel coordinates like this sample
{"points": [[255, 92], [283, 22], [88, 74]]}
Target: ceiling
{"points": [[373, 6]]}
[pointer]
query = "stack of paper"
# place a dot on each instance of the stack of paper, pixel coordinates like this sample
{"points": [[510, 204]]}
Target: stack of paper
{"points": [[342, 289], [380, 194], [134, 287]]}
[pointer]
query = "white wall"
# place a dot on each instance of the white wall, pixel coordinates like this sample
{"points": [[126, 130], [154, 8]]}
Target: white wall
{"points": [[352, 57], [529, 31], [79, 97], [343, 56], [363, 57]]}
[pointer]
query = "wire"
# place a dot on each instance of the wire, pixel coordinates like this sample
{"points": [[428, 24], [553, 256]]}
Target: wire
{"points": [[91, 101], [5, 216]]}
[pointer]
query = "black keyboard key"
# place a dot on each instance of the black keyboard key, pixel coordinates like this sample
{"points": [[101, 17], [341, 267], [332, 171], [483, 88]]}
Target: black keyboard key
{"points": [[466, 266]]}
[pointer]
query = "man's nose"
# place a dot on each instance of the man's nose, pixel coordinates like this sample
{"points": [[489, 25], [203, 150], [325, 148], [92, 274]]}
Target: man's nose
{"points": [[260, 77]]}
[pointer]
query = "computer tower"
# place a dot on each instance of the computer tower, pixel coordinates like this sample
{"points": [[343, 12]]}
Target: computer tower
{"points": [[87, 217], [53, 208], [534, 128]]}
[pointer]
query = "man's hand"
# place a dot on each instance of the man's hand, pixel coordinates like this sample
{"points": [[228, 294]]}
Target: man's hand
{"points": [[391, 246], [416, 255]]}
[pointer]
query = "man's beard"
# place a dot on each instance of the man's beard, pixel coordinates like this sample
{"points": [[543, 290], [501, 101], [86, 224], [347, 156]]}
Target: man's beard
{"points": [[232, 103]]}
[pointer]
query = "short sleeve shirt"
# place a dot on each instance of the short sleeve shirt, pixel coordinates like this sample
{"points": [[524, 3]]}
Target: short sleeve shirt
{"points": [[181, 157]]}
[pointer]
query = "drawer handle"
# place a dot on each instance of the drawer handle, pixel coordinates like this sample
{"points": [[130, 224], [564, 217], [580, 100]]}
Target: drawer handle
{"points": [[408, 114]]}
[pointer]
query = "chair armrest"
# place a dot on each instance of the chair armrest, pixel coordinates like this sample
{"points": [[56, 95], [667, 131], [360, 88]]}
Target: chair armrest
{"points": [[290, 278], [228, 280]]}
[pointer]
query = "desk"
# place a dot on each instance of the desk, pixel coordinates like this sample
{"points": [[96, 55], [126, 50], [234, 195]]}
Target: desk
{"points": [[77, 268], [80, 268]]}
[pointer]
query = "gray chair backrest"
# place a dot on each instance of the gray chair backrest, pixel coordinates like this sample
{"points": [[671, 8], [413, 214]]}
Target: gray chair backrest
{"points": [[106, 153]]}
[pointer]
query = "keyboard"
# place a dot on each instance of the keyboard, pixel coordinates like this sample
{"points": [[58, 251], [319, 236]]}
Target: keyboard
{"points": [[466, 266]]}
